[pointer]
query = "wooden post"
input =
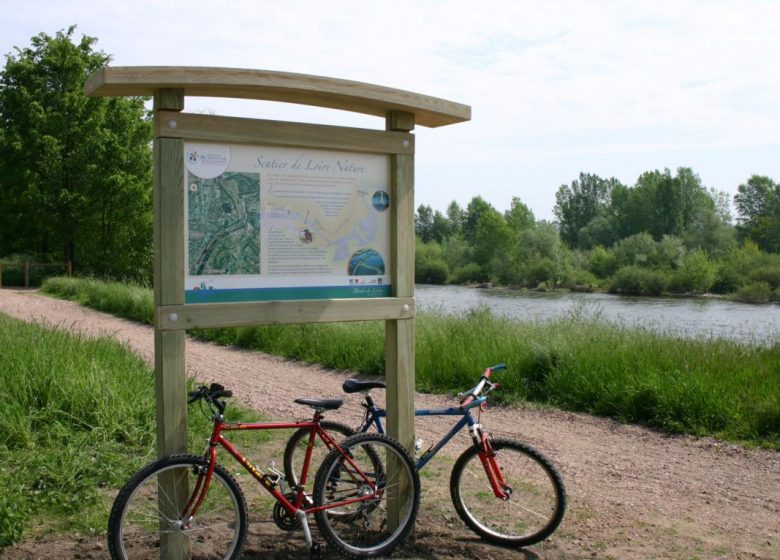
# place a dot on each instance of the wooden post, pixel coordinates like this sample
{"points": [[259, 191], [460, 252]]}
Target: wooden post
{"points": [[26, 274], [1, 275], [170, 372], [399, 334]]}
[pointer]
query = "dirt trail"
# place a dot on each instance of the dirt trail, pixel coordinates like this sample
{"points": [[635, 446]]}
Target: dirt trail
{"points": [[633, 493]]}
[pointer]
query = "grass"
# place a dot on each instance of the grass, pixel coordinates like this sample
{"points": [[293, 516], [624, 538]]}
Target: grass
{"points": [[78, 419], [702, 387]]}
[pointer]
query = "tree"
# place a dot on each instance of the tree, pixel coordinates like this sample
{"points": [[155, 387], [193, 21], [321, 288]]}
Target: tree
{"points": [[758, 206], [519, 216], [423, 223], [75, 172], [474, 211], [457, 217], [578, 204]]}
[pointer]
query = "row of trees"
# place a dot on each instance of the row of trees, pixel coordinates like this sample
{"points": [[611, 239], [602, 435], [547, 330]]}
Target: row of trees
{"points": [[667, 232], [75, 172], [594, 211], [75, 185]]}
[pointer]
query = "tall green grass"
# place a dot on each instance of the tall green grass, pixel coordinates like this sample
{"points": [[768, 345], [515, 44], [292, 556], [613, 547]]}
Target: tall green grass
{"points": [[78, 418], [701, 387]]}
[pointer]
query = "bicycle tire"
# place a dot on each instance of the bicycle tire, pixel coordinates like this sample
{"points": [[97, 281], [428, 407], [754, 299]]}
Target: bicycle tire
{"points": [[136, 526], [365, 529], [295, 450], [535, 507]]}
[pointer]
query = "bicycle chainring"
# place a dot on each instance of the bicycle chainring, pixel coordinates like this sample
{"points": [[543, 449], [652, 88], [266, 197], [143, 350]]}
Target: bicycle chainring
{"points": [[283, 519]]}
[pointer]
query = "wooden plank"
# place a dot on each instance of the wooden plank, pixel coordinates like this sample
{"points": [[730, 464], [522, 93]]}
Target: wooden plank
{"points": [[181, 317], [267, 85], [210, 128]]}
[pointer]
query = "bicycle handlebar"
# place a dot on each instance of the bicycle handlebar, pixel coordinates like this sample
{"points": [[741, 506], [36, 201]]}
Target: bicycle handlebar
{"points": [[474, 392], [211, 394]]}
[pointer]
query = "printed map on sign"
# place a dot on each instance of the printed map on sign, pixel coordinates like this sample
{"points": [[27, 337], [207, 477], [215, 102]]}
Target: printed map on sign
{"points": [[224, 224], [316, 225], [266, 223]]}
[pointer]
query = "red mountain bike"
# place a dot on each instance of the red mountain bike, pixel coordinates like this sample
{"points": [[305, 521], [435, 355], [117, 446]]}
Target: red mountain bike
{"points": [[365, 498]]}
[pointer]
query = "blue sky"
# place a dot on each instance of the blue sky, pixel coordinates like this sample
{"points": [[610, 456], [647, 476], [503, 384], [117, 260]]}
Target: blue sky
{"points": [[556, 88]]}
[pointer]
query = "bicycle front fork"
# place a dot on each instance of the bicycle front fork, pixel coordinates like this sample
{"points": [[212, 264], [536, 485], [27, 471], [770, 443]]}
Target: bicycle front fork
{"points": [[489, 462]]}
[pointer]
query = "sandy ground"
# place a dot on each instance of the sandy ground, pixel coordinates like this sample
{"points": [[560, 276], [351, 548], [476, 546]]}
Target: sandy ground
{"points": [[633, 493]]}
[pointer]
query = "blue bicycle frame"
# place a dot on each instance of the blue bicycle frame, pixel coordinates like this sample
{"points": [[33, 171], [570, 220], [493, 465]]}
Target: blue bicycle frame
{"points": [[374, 417]]}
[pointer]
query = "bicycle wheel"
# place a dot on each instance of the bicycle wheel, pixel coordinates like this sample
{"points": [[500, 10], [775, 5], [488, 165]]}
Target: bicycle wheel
{"points": [[378, 476], [145, 522], [295, 451], [537, 498]]}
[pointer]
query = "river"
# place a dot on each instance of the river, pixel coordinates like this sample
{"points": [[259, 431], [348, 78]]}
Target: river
{"points": [[684, 317]]}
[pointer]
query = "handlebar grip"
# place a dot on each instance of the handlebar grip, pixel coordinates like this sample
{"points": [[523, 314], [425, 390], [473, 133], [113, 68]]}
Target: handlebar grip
{"points": [[489, 371]]}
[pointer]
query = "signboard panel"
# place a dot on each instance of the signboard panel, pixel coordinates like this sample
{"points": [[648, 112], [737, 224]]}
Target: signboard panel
{"points": [[268, 223]]}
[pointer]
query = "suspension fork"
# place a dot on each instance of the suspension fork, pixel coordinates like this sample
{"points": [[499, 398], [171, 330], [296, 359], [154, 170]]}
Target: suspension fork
{"points": [[488, 459]]}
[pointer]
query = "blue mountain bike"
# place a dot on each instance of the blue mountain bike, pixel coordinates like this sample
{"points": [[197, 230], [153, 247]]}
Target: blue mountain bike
{"points": [[504, 490]]}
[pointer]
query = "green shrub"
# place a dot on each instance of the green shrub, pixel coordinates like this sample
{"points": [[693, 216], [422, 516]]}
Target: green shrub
{"points": [[602, 262], [755, 292], [769, 274], [432, 272], [633, 280], [695, 274], [727, 280], [471, 272]]}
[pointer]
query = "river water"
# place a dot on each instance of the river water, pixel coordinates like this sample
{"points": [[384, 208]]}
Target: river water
{"points": [[684, 317]]}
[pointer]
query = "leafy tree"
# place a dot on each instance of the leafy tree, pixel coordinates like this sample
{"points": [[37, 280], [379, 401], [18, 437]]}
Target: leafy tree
{"points": [[579, 203], [441, 227], [519, 216], [669, 252], [639, 250], [661, 204], [423, 223], [457, 218], [474, 211], [758, 206], [429, 264], [492, 243], [75, 172], [540, 255]]}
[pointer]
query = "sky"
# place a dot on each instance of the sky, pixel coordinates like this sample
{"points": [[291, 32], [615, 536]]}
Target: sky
{"points": [[556, 88]]}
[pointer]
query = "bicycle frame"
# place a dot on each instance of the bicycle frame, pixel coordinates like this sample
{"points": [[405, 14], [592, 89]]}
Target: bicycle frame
{"points": [[374, 417], [266, 481]]}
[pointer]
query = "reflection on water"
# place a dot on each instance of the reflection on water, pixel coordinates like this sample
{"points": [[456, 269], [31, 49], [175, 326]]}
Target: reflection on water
{"points": [[688, 317]]}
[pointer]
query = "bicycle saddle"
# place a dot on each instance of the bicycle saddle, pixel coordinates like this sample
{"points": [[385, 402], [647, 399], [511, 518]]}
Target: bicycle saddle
{"points": [[323, 404], [355, 385]]}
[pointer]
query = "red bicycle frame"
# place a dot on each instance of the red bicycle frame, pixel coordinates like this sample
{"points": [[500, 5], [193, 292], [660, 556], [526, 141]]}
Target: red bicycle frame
{"points": [[315, 430]]}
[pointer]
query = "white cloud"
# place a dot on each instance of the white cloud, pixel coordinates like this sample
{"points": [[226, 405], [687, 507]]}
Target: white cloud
{"points": [[556, 87]]}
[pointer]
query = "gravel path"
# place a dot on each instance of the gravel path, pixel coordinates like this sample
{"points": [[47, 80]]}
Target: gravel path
{"points": [[633, 493]]}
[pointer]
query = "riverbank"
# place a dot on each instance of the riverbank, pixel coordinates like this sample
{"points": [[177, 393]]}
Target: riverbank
{"points": [[575, 362], [633, 493]]}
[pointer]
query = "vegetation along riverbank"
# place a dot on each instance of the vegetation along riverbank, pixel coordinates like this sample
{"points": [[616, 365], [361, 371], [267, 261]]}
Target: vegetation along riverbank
{"points": [[701, 387]]}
